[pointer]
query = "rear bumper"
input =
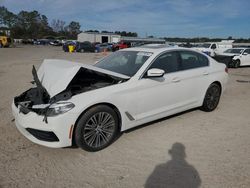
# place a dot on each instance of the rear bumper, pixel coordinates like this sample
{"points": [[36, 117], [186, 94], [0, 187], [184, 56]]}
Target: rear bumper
{"points": [[56, 133]]}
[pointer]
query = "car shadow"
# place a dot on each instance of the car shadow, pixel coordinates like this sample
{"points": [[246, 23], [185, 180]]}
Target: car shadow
{"points": [[175, 173]]}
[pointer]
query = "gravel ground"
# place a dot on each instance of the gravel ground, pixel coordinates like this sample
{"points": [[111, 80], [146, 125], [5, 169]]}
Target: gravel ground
{"points": [[188, 150]]}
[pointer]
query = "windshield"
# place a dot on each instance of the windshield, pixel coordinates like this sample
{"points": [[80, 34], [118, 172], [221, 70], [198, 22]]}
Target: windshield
{"points": [[124, 62], [234, 51], [207, 45]]}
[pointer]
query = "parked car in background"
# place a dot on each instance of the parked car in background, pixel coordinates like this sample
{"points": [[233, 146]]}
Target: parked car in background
{"points": [[91, 104], [110, 45], [235, 57], [85, 47], [40, 42], [104, 47], [27, 41], [121, 45], [55, 43], [96, 43], [242, 59], [213, 49], [136, 44]]}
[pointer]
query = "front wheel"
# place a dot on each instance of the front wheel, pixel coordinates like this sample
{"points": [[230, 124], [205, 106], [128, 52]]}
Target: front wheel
{"points": [[237, 64], [97, 128], [212, 98]]}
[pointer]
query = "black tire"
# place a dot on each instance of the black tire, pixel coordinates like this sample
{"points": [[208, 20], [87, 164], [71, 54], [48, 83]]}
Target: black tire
{"points": [[97, 128], [82, 50], [237, 64], [212, 98]]}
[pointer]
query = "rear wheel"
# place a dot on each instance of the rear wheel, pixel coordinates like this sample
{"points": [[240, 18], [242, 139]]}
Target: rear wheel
{"points": [[212, 98], [237, 64], [97, 128], [82, 50]]}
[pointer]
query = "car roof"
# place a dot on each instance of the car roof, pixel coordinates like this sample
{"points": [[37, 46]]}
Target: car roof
{"points": [[155, 48]]}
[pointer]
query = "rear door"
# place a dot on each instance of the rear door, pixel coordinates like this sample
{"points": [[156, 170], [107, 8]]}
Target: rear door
{"points": [[195, 72]]}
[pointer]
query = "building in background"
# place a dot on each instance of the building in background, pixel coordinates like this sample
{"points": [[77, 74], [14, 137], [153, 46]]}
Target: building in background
{"points": [[98, 37], [143, 40], [114, 38]]}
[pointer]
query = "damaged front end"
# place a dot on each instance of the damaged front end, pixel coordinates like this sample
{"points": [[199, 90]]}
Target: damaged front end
{"points": [[33, 97], [41, 101]]}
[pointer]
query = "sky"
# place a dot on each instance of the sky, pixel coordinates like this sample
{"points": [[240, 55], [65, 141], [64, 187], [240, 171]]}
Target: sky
{"points": [[160, 18]]}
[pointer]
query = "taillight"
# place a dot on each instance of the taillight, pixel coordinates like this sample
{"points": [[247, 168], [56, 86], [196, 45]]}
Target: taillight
{"points": [[226, 70]]}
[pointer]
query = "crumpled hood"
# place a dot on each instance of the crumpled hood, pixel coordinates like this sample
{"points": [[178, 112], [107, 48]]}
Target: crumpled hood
{"points": [[55, 75]]}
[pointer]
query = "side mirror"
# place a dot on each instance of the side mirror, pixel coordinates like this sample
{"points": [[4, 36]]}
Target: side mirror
{"points": [[155, 73], [245, 53]]}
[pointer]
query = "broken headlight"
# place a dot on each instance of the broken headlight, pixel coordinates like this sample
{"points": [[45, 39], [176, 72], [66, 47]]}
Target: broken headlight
{"points": [[59, 108]]}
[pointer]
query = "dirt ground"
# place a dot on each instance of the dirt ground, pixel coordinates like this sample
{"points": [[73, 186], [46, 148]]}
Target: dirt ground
{"points": [[207, 149]]}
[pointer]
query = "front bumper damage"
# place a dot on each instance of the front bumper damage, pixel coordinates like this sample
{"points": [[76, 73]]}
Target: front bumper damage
{"points": [[56, 133], [56, 82]]}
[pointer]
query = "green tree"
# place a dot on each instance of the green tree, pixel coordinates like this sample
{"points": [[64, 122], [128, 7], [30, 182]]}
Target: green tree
{"points": [[7, 18], [31, 25], [74, 29], [58, 25]]}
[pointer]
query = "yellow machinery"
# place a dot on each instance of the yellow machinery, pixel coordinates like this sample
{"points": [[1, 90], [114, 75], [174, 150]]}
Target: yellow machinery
{"points": [[5, 41]]}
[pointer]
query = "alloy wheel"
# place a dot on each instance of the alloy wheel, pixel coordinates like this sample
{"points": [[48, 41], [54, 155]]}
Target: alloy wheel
{"points": [[99, 129], [213, 97]]}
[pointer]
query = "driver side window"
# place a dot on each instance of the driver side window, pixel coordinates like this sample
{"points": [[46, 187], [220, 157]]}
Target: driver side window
{"points": [[169, 62]]}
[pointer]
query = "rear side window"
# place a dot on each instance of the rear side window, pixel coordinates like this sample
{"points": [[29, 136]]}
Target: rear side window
{"points": [[190, 60], [169, 62]]}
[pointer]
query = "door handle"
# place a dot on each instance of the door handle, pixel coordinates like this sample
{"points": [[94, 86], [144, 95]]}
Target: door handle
{"points": [[205, 73], [176, 79]]}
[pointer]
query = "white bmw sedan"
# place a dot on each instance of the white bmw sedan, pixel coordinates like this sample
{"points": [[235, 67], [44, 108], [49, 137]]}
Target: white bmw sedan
{"points": [[89, 105]]}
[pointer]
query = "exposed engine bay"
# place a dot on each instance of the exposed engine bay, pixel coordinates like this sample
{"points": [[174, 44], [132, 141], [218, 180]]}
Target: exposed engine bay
{"points": [[38, 100]]}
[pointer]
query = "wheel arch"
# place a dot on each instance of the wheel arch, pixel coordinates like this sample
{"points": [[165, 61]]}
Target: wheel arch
{"points": [[204, 107], [102, 103], [218, 83], [214, 82]]}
